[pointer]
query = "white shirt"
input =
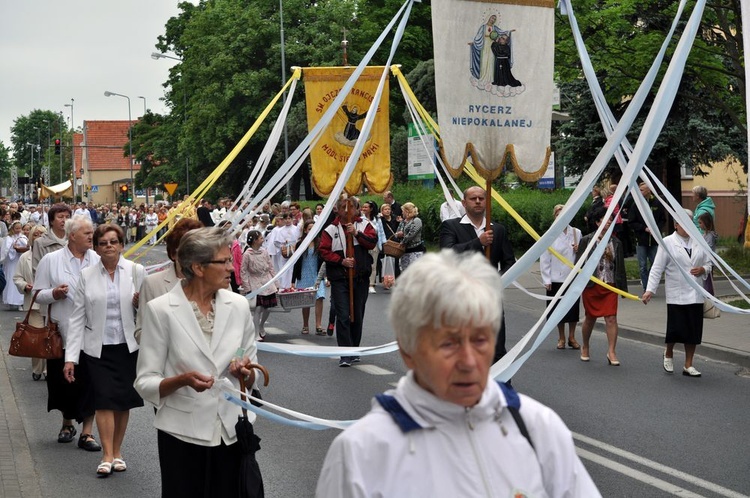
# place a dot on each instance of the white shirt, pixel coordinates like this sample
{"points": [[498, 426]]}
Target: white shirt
{"points": [[114, 333], [82, 212], [476, 452], [554, 270], [57, 268], [450, 210], [478, 229]]}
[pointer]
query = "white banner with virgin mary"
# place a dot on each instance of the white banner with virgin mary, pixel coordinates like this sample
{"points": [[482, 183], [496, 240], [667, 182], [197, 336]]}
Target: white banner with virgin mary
{"points": [[494, 62]]}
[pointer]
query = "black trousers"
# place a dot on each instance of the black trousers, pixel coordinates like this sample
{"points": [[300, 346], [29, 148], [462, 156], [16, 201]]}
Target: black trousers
{"points": [[190, 470], [500, 343], [349, 333]]}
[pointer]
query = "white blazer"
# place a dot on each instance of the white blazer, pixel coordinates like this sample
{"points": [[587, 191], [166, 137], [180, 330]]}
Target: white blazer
{"points": [[173, 343], [88, 320], [676, 289]]}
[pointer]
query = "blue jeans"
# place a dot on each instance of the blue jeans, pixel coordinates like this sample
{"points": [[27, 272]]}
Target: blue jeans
{"points": [[646, 256]]}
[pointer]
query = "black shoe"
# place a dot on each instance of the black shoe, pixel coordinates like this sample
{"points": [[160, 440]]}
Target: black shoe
{"points": [[345, 361], [88, 443], [330, 329], [354, 359], [67, 433], [36, 376]]}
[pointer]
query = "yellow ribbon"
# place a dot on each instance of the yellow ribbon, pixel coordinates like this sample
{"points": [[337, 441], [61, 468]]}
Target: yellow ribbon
{"points": [[213, 177]]}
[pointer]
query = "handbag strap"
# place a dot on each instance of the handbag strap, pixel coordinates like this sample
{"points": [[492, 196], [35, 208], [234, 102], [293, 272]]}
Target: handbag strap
{"points": [[31, 305]]}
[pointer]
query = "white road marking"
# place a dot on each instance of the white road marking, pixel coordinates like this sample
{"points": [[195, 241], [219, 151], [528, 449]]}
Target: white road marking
{"points": [[714, 488], [372, 369], [302, 342], [637, 474], [274, 331]]}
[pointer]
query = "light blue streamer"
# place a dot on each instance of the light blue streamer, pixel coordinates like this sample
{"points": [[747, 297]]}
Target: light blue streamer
{"points": [[301, 424], [325, 351]]}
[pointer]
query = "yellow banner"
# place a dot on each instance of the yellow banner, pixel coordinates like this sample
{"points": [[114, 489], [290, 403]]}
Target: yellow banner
{"points": [[333, 149]]}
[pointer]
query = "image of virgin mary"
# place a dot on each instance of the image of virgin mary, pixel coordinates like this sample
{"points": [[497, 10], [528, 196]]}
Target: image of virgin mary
{"points": [[482, 60]]}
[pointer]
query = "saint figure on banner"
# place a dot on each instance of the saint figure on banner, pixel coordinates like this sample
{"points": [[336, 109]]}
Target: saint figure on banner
{"points": [[350, 130], [503, 62], [491, 60]]}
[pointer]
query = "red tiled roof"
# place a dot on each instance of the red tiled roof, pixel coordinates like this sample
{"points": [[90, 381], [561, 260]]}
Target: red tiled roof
{"points": [[105, 142]]}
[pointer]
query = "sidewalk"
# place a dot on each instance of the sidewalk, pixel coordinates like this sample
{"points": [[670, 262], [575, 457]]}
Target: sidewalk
{"points": [[726, 338], [17, 475]]}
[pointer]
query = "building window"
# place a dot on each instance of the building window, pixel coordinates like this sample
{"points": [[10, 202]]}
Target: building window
{"points": [[686, 172]]}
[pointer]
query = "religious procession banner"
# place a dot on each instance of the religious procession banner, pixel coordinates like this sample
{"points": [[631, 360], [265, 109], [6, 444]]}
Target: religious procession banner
{"points": [[331, 152], [494, 83]]}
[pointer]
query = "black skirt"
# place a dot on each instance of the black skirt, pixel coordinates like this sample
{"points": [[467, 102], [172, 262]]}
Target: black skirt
{"points": [[573, 314], [684, 323], [70, 398], [112, 377]]}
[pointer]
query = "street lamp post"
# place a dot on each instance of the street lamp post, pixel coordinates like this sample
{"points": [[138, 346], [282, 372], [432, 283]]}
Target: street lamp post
{"points": [[144, 103], [72, 148], [156, 56], [59, 134], [130, 136], [31, 148], [283, 82], [49, 180]]}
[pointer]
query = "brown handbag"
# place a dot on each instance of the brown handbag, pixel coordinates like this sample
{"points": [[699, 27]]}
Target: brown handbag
{"points": [[36, 342]]}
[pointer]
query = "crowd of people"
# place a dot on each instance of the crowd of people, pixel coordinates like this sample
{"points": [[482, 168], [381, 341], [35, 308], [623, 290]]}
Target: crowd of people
{"points": [[173, 337]]}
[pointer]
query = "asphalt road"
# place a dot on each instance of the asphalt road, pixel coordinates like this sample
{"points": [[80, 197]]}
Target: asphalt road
{"points": [[639, 431]]}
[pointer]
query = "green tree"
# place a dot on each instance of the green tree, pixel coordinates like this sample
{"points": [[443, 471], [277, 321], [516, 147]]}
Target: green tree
{"points": [[706, 123], [231, 67]]}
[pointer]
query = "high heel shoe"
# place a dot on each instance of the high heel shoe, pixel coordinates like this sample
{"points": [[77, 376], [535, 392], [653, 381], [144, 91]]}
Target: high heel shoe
{"points": [[614, 363]]}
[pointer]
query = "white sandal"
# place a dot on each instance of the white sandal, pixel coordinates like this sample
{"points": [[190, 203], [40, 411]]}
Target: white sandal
{"points": [[104, 469], [119, 465]]}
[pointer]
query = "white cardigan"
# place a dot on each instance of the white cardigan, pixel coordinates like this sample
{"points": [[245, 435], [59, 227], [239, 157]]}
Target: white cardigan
{"points": [[87, 322], [677, 290]]}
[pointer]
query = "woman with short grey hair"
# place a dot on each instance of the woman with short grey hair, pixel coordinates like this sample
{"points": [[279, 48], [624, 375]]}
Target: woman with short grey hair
{"points": [[422, 301], [199, 246], [197, 334]]}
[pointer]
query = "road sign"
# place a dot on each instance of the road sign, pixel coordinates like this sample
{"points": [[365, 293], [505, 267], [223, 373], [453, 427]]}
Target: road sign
{"points": [[170, 187], [94, 189]]}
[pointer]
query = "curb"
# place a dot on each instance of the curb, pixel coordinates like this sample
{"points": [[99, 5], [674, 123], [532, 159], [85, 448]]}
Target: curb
{"points": [[712, 351]]}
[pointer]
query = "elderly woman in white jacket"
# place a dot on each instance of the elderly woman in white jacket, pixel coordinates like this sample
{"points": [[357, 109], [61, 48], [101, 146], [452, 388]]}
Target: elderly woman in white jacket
{"points": [[684, 303], [195, 335], [101, 336], [448, 428], [554, 273]]}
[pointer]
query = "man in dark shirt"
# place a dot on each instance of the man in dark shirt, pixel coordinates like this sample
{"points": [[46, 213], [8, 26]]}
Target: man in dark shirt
{"points": [[470, 234]]}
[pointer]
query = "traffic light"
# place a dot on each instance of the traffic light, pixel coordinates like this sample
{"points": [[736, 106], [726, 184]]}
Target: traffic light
{"points": [[123, 193], [57, 146]]}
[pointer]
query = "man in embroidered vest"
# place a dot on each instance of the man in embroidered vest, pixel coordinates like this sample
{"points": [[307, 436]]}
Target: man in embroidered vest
{"points": [[333, 251], [449, 429]]}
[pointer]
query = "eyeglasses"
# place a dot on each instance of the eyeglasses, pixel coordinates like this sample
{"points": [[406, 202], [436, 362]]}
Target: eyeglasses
{"points": [[105, 243], [225, 262]]}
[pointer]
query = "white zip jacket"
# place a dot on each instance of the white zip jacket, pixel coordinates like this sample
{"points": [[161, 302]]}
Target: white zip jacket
{"points": [[476, 452]]}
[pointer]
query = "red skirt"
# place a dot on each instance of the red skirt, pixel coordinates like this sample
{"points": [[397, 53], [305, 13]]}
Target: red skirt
{"points": [[598, 301]]}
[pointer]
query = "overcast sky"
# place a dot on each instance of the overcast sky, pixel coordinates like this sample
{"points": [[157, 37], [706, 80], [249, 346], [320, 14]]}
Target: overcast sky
{"points": [[52, 51]]}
